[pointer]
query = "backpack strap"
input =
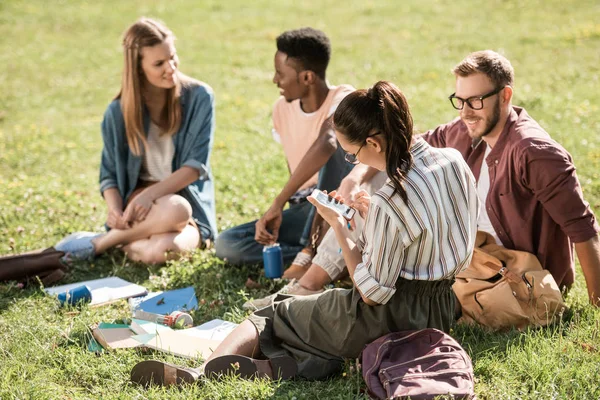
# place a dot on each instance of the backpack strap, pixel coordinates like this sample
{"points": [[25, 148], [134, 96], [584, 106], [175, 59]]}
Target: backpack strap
{"points": [[505, 272]]}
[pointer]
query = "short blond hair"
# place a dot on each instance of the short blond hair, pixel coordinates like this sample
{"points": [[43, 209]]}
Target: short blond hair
{"points": [[495, 66]]}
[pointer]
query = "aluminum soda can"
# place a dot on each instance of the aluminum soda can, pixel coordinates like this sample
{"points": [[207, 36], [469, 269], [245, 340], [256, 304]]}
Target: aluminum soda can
{"points": [[75, 295], [273, 261]]}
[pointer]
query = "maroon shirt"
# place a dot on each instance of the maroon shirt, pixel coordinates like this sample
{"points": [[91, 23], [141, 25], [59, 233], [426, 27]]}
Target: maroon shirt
{"points": [[535, 202]]}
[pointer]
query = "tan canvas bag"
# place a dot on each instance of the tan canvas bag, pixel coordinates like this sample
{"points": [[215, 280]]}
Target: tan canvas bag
{"points": [[504, 288]]}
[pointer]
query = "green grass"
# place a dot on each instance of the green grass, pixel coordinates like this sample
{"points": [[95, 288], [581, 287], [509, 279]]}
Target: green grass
{"points": [[60, 64]]}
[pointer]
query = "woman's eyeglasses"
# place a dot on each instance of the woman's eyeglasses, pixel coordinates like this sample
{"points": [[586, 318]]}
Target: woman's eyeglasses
{"points": [[352, 158]]}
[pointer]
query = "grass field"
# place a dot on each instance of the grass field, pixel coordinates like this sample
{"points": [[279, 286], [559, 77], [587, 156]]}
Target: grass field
{"points": [[60, 65]]}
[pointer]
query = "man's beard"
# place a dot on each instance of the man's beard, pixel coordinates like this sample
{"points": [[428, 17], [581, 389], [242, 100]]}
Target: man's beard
{"points": [[494, 121]]}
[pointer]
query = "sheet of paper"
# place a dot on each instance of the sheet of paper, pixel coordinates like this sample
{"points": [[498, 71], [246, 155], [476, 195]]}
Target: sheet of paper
{"points": [[179, 344], [142, 327], [216, 329]]}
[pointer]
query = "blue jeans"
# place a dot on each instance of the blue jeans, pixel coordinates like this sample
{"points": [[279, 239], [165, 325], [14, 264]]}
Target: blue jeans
{"points": [[237, 244]]}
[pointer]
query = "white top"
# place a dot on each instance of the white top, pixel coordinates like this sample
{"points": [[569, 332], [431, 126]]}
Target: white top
{"points": [[483, 188], [158, 156], [431, 237]]}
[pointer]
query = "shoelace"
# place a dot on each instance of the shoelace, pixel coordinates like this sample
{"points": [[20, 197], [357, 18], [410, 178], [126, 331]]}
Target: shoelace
{"points": [[292, 285]]}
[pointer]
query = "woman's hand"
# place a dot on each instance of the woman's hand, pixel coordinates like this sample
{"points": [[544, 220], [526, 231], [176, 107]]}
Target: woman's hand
{"points": [[348, 189], [115, 219], [332, 217], [137, 210], [361, 203]]}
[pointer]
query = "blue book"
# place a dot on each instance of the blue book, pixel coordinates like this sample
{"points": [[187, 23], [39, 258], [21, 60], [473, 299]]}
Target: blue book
{"points": [[171, 300]]}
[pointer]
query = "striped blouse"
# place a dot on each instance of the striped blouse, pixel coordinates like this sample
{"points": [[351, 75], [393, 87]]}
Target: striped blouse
{"points": [[431, 237]]}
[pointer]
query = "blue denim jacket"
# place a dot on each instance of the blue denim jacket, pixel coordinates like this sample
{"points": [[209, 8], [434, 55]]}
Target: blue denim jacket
{"points": [[193, 142]]}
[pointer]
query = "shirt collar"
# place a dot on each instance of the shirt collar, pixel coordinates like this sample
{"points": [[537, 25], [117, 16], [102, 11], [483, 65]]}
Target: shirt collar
{"points": [[504, 139]]}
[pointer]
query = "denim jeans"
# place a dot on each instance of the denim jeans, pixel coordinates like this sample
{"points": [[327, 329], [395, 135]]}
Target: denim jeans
{"points": [[237, 245]]}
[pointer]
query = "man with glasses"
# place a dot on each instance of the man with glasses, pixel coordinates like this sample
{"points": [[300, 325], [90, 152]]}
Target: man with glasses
{"points": [[531, 199]]}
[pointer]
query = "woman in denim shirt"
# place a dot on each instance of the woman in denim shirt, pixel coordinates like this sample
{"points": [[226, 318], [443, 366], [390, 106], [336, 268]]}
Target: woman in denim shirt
{"points": [[154, 173]]}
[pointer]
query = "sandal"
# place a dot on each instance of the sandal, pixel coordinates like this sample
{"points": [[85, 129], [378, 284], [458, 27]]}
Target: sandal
{"points": [[160, 373], [283, 367]]}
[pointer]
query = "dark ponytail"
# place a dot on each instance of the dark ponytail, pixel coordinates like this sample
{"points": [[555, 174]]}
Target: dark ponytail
{"points": [[384, 109]]}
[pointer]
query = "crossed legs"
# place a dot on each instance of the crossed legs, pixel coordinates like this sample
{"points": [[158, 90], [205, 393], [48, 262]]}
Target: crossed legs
{"points": [[164, 234]]}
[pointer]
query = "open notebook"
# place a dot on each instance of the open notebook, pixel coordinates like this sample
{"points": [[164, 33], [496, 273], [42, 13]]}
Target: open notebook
{"points": [[104, 290]]}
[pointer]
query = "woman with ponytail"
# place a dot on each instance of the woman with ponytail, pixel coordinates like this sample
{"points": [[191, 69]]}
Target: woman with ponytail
{"points": [[154, 171], [419, 232]]}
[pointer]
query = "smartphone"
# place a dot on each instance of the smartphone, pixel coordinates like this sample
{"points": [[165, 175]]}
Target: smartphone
{"points": [[328, 201]]}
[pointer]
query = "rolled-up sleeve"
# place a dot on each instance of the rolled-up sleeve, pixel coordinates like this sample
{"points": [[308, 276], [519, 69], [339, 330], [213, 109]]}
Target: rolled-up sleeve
{"points": [[382, 246], [548, 171], [200, 133], [108, 174]]}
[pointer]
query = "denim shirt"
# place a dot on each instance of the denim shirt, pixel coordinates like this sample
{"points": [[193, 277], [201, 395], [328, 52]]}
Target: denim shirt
{"points": [[120, 168]]}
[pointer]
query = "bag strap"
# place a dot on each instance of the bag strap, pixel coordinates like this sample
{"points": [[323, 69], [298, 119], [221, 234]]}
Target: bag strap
{"points": [[505, 272], [317, 231]]}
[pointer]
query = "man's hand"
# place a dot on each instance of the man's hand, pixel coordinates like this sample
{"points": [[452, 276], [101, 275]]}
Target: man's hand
{"points": [[589, 257], [270, 221], [115, 219], [138, 208]]}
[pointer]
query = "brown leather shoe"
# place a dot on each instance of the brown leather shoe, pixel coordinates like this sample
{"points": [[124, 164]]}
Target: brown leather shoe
{"points": [[283, 368], [160, 373]]}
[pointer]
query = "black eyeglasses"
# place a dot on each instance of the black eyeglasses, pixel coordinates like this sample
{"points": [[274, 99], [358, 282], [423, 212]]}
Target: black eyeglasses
{"points": [[475, 102], [353, 158]]}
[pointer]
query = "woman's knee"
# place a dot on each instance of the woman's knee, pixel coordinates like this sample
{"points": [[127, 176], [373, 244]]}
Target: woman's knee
{"points": [[175, 209]]}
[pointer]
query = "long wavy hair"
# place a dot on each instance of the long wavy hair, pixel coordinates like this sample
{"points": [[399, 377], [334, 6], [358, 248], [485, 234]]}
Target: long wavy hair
{"points": [[381, 109], [145, 32]]}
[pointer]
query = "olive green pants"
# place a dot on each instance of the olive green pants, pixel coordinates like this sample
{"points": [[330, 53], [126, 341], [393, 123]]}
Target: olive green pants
{"points": [[319, 331]]}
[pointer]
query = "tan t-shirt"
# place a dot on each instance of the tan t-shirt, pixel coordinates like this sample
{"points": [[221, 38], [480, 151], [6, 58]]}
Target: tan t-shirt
{"points": [[297, 130]]}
